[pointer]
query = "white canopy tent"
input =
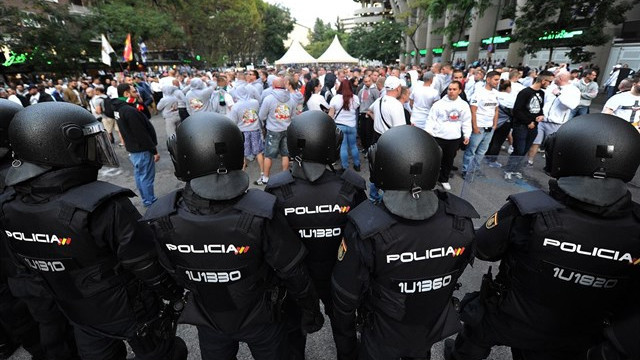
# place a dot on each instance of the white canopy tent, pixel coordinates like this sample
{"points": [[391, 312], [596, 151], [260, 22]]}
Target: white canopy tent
{"points": [[296, 55], [336, 54]]}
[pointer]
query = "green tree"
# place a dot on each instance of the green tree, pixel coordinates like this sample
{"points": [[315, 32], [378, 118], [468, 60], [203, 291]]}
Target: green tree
{"points": [[144, 20], [323, 35], [461, 16], [277, 24], [382, 41], [48, 37], [542, 25]]}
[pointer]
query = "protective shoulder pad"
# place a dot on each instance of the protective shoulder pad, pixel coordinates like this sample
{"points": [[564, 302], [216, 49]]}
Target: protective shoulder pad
{"points": [[165, 206], [536, 201], [257, 202], [354, 179], [280, 179], [89, 196], [457, 206], [370, 219]]}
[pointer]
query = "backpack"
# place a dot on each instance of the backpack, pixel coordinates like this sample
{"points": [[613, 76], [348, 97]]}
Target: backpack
{"points": [[108, 108]]}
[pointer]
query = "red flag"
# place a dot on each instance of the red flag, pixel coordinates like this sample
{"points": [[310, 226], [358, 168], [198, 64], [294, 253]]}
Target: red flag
{"points": [[128, 52]]}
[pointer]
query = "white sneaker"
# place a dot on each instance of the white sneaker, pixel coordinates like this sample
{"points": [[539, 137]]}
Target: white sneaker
{"points": [[446, 186], [510, 150]]}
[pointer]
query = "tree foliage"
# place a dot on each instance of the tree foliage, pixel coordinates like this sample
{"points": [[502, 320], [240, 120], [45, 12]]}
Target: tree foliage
{"points": [[382, 41], [461, 14], [149, 23], [539, 18], [323, 35], [47, 37], [220, 31], [277, 24]]}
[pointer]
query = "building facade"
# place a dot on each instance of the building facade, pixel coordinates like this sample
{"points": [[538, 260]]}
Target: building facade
{"points": [[489, 38], [372, 11]]}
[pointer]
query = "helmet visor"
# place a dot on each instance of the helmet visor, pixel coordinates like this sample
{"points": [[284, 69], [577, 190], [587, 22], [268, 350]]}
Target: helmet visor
{"points": [[99, 148]]}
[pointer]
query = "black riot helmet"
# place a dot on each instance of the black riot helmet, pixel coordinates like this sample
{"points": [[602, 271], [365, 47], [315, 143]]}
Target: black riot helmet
{"points": [[8, 109], [208, 152], [313, 136], [594, 145], [56, 135], [405, 158]]}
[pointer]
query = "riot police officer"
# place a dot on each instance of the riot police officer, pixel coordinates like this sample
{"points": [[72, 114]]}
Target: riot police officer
{"points": [[229, 246], [621, 338], [568, 258], [316, 202], [16, 324], [82, 237], [22, 295], [402, 258]]}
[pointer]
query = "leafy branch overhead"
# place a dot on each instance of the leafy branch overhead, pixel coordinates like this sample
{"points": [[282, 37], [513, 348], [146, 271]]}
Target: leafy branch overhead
{"points": [[322, 36], [381, 41], [219, 31], [543, 25], [460, 13]]}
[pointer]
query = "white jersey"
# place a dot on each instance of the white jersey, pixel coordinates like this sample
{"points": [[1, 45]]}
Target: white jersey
{"points": [[388, 112], [486, 102], [625, 105], [423, 98]]}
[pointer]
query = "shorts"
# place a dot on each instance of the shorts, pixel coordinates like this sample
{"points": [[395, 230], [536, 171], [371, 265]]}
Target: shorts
{"points": [[276, 143], [109, 124], [544, 130], [253, 143]]}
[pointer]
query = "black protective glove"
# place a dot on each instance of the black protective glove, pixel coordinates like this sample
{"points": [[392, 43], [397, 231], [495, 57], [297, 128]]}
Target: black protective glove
{"points": [[152, 274], [312, 321], [312, 317]]}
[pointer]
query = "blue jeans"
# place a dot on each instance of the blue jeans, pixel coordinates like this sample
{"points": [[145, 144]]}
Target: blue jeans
{"points": [[144, 171], [522, 140], [478, 145], [610, 91], [578, 111], [374, 193], [348, 145]]}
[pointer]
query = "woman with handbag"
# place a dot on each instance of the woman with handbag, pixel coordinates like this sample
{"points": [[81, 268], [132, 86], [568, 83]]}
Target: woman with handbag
{"points": [[344, 109]]}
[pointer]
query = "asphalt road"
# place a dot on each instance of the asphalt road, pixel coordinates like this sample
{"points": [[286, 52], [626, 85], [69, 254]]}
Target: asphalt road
{"points": [[486, 193]]}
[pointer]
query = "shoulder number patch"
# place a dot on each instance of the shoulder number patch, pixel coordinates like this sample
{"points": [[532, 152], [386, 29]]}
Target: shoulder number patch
{"points": [[342, 250], [492, 221]]}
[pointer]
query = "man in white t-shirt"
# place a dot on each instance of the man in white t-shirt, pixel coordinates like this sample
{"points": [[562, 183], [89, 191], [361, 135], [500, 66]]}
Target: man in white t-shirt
{"points": [[387, 111], [112, 90], [422, 98], [626, 105], [167, 80], [516, 86], [559, 99], [484, 120], [471, 87]]}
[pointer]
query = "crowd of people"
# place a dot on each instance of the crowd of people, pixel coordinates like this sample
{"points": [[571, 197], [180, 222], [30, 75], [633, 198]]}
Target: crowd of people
{"points": [[252, 265], [481, 110]]}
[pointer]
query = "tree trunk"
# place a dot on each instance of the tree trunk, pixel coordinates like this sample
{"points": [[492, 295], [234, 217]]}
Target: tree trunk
{"points": [[550, 57]]}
